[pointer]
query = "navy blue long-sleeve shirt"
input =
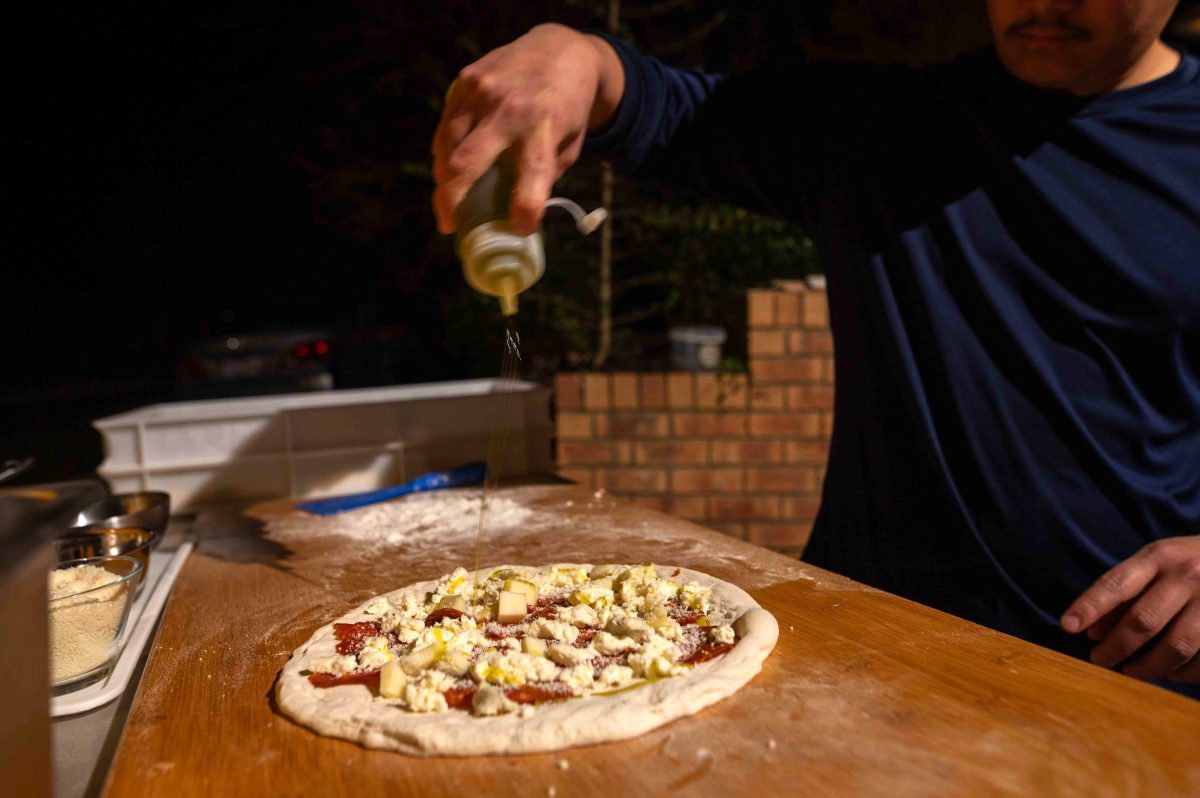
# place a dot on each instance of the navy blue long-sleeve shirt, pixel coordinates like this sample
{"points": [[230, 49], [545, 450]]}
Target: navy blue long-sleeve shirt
{"points": [[1014, 292]]}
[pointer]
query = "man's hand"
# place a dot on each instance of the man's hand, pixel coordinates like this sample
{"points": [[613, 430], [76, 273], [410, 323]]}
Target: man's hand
{"points": [[1155, 592], [537, 97]]}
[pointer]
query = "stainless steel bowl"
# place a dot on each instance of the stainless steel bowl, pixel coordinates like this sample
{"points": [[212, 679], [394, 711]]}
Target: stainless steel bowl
{"points": [[135, 542], [145, 510]]}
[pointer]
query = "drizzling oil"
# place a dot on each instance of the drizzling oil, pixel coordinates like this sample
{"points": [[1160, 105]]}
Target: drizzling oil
{"points": [[502, 425]]}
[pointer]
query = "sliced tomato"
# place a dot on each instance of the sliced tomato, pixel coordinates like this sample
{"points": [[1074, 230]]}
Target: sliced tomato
{"points": [[459, 697], [537, 693], [352, 637], [706, 652], [439, 614], [329, 680]]}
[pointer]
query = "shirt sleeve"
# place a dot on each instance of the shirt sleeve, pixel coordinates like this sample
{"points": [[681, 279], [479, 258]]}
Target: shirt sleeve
{"points": [[767, 140]]}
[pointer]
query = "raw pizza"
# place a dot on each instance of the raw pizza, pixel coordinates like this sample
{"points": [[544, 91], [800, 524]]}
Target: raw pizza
{"points": [[527, 659]]}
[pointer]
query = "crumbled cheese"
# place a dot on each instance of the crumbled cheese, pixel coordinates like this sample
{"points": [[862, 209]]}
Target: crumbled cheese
{"points": [[379, 606], [424, 694], [569, 656], [407, 630], [546, 629], [512, 668], [641, 594], [579, 678], [609, 644], [580, 615], [593, 595], [629, 626], [615, 675], [406, 602], [490, 700], [722, 634], [656, 659], [374, 654], [338, 665], [695, 596], [661, 622]]}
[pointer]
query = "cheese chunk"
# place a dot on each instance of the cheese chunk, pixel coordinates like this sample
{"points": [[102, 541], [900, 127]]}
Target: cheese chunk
{"points": [[338, 665], [512, 668], [569, 656], [510, 607], [656, 659], [615, 676], [392, 680], [611, 645], [425, 694], [580, 615], [491, 700], [551, 630], [579, 678], [374, 654], [722, 634]]}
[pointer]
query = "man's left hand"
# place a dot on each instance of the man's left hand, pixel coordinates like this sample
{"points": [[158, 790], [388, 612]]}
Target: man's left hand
{"points": [[1156, 592]]}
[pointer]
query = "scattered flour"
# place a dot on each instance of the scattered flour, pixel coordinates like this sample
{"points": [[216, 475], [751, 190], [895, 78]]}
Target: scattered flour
{"points": [[414, 519], [83, 628]]}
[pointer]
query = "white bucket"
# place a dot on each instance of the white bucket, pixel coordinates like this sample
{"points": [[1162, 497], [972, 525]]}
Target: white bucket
{"points": [[696, 348]]}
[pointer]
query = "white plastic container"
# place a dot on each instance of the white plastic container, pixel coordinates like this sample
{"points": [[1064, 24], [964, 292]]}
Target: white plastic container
{"points": [[307, 445], [696, 348]]}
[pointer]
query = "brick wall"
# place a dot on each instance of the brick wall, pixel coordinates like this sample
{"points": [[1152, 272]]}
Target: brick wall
{"points": [[741, 453]]}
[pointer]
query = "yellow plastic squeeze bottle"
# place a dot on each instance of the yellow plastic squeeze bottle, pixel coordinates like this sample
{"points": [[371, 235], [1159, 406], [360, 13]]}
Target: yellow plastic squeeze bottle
{"points": [[496, 259]]}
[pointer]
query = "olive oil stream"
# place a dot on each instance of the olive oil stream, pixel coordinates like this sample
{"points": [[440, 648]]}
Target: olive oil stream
{"points": [[502, 426]]}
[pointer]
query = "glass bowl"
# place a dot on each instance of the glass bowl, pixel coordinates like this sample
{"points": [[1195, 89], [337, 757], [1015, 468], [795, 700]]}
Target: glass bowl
{"points": [[89, 604]]}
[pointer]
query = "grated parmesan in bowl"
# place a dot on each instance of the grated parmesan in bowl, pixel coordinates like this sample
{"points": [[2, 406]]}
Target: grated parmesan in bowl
{"points": [[89, 603]]}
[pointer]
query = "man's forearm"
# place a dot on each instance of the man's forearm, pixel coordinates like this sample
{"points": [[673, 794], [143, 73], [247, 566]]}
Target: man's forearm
{"points": [[611, 85]]}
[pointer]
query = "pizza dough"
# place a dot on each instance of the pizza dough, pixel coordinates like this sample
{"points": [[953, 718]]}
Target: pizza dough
{"points": [[354, 712]]}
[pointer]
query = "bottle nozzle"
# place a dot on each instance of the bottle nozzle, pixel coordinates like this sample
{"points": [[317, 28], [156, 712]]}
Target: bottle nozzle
{"points": [[507, 294], [584, 223]]}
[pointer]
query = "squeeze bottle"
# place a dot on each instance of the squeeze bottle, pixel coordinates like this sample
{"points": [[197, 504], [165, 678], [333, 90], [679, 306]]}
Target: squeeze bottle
{"points": [[496, 259]]}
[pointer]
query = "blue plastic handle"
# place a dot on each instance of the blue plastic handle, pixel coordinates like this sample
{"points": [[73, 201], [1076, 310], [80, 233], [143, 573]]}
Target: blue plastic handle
{"points": [[471, 474]]}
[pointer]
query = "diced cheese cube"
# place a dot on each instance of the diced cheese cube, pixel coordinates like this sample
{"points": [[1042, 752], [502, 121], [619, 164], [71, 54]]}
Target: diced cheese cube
{"points": [[601, 571], [511, 607], [392, 680], [419, 660], [455, 602], [529, 589]]}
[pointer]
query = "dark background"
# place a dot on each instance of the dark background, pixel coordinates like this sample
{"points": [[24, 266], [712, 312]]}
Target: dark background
{"points": [[186, 173]]}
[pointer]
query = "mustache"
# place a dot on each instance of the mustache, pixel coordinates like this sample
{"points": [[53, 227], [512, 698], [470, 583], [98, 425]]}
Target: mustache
{"points": [[1050, 26]]}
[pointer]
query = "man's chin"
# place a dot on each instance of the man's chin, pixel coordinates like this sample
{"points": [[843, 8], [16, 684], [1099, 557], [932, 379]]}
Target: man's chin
{"points": [[1043, 71]]}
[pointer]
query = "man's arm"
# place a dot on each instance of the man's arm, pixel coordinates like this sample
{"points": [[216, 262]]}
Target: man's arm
{"points": [[538, 97], [755, 140]]}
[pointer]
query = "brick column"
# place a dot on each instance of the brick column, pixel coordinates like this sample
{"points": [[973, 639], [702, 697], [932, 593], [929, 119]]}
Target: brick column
{"points": [[744, 454]]}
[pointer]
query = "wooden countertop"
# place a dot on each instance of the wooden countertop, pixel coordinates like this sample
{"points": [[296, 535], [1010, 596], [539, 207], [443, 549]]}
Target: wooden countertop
{"points": [[865, 694]]}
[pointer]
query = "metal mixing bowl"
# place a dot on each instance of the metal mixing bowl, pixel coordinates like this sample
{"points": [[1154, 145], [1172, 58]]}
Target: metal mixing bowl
{"points": [[146, 510], [127, 541]]}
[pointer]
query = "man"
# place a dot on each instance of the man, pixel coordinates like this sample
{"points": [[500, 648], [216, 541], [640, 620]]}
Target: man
{"points": [[1012, 245]]}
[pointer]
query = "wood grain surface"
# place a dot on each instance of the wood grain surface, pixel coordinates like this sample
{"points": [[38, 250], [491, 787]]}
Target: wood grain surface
{"points": [[865, 694]]}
